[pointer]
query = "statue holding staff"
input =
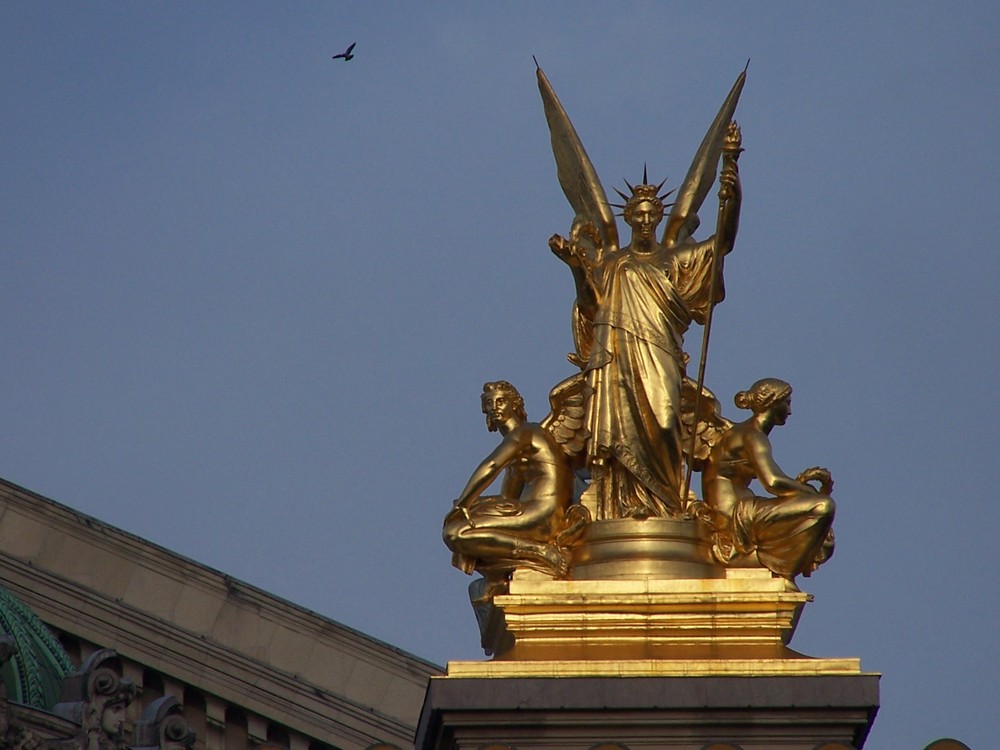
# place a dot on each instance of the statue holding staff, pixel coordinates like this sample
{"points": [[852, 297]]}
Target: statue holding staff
{"points": [[633, 306]]}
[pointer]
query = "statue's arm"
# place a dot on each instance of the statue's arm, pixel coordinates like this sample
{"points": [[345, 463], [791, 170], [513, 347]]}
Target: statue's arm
{"points": [[769, 474], [731, 199], [574, 255], [491, 467]]}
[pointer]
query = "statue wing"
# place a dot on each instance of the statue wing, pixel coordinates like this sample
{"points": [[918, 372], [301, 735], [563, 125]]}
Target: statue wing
{"points": [[683, 219], [576, 173], [708, 424], [567, 421]]}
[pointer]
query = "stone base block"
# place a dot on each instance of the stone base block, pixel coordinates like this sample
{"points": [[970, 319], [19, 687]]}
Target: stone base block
{"points": [[680, 713]]}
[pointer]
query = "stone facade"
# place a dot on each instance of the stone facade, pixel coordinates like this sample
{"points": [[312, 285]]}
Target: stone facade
{"points": [[244, 668]]}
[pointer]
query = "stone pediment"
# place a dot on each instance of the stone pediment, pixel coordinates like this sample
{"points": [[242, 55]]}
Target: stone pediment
{"points": [[240, 646]]}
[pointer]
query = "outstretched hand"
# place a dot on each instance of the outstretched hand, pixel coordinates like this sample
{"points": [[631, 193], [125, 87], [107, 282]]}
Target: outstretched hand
{"points": [[565, 250], [817, 474]]}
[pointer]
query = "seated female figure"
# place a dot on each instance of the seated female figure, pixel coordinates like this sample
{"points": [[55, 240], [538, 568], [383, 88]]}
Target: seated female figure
{"points": [[791, 533]]}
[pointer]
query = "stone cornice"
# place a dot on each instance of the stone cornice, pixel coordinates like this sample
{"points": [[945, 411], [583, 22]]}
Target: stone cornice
{"points": [[207, 629]]}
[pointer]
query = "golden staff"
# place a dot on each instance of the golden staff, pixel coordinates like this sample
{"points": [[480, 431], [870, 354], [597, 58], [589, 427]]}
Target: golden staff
{"points": [[731, 150]]}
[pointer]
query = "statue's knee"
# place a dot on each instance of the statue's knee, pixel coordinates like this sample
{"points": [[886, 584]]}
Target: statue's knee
{"points": [[452, 533], [449, 541]]}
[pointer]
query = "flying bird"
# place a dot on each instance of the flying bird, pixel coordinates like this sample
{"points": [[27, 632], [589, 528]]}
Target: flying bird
{"points": [[346, 54]]}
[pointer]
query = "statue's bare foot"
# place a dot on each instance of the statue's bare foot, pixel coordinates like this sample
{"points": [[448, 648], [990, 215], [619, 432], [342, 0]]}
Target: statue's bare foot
{"points": [[558, 559]]}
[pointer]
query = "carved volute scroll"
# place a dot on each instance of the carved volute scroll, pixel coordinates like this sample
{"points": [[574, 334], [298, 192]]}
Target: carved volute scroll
{"points": [[162, 726]]}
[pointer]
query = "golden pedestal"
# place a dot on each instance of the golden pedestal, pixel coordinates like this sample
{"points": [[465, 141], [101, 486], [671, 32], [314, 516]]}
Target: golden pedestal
{"points": [[737, 625], [633, 661], [651, 644], [632, 611]]}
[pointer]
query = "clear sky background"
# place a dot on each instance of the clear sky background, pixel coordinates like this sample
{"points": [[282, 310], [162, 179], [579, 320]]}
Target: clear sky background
{"points": [[249, 294]]}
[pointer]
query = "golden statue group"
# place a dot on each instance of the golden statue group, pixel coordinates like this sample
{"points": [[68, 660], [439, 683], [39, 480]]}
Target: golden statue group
{"points": [[625, 433]]}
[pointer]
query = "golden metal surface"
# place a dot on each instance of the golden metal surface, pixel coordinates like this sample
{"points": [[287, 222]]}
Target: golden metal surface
{"points": [[654, 668], [647, 618], [732, 147], [790, 533], [633, 307], [596, 550], [527, 525]]}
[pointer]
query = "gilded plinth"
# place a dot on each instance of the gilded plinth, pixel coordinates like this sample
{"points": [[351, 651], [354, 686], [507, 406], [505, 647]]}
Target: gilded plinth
{"points": [[646, 598], [737, 623]]}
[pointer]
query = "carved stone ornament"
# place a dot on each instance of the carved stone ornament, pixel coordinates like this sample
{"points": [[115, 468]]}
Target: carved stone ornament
{"points": [[95, 698], [162, 726]]}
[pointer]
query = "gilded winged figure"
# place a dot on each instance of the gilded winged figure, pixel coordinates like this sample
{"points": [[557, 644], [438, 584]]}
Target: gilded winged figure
{"points": [[633, 306]]}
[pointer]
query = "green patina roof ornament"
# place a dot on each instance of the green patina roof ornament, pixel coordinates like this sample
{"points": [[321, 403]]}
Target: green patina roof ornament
{"points": [[34, 673]]}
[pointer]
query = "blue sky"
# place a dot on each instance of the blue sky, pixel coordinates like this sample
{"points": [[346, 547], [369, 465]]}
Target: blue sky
{"points": [[249, 294]]}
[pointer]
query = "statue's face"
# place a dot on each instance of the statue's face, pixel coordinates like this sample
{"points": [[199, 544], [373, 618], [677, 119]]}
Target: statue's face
{"points": [[782, 410], [644, 218], [113, 719], [497, 406]]}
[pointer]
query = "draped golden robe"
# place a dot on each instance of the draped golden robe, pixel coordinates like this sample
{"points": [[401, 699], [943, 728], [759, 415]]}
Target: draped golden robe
{"points": [[635, 368]]}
